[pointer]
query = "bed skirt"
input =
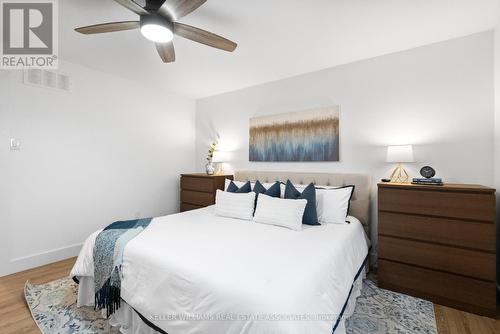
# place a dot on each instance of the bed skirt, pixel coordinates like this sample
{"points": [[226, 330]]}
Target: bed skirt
{"points": [[130, 322]]}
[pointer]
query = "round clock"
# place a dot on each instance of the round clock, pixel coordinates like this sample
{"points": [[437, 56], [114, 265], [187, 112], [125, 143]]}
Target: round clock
{"points": [[427, 172]]}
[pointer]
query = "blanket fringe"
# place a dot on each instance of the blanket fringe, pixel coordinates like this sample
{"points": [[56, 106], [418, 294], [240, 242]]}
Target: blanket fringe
{"points": [[108, 297]]}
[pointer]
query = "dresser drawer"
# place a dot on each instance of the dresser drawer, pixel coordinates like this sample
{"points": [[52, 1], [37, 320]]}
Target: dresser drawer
{"points": [[447, 289], [197, 184], [450, 204], [189, 207], [454, 260], [441, 230], [197, 198]]}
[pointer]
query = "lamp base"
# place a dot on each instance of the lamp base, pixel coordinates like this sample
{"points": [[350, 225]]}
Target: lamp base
{"points": [[400, 175], [219, 169]]}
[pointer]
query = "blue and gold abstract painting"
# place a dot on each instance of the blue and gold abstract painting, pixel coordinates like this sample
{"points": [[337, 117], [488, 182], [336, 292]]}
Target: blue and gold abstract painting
{"points": [[312, 135]]}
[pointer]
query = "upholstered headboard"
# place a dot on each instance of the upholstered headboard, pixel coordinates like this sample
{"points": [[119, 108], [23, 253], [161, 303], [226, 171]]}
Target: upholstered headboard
{"points": [[360, 204]]}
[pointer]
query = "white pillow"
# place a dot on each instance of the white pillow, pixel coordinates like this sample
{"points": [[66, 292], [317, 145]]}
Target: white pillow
{"points": [[320, 201], [333, 204], [281, 212], [234, 205]]}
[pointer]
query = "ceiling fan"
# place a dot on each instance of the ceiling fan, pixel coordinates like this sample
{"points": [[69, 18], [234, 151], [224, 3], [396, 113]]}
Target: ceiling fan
{"points": [[158, 23]]}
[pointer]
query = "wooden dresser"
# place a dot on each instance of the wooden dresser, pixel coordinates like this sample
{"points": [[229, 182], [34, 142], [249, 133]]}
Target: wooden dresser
{"points": [[438, 243], [198, 190]]}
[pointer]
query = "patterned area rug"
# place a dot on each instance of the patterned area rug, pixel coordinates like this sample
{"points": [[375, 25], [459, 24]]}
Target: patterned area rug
{"points": [[53, 306], [378, 311]]}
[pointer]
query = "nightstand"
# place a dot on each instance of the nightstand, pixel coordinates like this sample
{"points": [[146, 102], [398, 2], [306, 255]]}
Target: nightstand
{"points": [[438, 243], [198, 190]]}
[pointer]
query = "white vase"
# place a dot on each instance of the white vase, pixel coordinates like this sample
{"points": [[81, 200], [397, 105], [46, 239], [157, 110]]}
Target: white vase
{"points": [[209, 168]]}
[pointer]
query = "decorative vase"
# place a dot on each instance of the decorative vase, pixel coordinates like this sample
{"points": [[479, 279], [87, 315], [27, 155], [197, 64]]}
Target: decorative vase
{"points": [[210, 169]]}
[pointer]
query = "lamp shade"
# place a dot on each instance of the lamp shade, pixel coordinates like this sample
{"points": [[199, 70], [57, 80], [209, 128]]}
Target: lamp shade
{"points": [[400, 153], [220, 156]]}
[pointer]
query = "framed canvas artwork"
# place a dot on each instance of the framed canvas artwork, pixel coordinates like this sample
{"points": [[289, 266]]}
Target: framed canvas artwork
{"points": [[311, 135]]}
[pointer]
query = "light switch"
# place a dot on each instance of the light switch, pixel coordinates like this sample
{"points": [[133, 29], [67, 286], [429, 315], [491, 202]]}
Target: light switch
{"points": [[15, 144]]}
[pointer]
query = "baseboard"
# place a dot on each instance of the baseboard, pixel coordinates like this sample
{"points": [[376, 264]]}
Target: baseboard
{"points": [[39, 259]]}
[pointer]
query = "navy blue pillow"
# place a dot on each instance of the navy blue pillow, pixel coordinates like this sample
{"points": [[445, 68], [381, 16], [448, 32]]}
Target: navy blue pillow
{"points": [[273, 191], [233, 188], [310, 214]]}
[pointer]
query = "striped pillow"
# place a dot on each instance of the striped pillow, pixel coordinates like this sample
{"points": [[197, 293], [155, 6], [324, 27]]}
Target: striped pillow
{"points": [[234, 205], [280, 212]]}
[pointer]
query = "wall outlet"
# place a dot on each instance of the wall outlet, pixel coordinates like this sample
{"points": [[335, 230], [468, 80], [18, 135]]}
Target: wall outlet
{"points": [[15, 144]]}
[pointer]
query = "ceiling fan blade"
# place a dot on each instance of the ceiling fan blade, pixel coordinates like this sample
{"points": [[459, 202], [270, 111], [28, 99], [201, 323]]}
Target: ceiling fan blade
{"points": [[108, 27], [175, 9], [204, 37], [166, 51], [133, 6]]}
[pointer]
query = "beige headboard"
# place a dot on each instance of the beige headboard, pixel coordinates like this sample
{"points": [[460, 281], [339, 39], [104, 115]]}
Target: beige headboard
{"points": [[360, 204]]}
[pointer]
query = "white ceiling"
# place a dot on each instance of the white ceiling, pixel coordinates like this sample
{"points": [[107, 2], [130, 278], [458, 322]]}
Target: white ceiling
{"points": [[277, 38]]}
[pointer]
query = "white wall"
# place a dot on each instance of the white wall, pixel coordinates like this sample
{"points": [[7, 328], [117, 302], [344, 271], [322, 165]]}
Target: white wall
{"points": [[438, 97], [110, 149], [4, 170]]}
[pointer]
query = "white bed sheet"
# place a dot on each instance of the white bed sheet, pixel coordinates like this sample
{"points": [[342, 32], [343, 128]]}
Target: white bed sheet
{"points": [[198, 264]]}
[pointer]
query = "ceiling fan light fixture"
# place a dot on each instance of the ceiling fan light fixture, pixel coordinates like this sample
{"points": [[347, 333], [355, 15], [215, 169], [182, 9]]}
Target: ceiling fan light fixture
{"points": [[157, 33], [158, 23], [156, 29]]}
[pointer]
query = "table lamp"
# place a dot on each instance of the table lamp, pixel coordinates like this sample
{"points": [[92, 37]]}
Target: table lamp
{"points": [[220, 157], [399, 154]]}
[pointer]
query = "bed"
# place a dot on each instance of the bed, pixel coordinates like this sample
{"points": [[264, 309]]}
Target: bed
{"points": [[196, 272]]}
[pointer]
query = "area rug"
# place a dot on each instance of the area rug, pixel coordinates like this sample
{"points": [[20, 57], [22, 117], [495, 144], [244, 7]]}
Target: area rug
{"points": [[53, 306], [380, 311]]}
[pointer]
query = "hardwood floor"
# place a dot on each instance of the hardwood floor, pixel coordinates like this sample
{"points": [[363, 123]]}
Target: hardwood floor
{"points": [[451, 321], [15, 317]]}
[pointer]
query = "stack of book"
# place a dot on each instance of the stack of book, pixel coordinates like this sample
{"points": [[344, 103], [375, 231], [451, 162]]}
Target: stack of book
{"points": [[431, 181]]}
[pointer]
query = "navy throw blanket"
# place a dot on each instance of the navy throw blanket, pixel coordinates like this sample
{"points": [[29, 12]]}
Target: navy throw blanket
{"points": [[108, 257]]}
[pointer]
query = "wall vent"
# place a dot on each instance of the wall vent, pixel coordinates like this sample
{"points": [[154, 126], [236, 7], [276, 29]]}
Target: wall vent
{"points": [[47, 79]]}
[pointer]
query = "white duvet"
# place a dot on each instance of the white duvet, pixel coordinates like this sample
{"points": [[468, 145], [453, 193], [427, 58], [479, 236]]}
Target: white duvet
{"points": [[195, 272]]}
